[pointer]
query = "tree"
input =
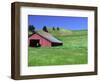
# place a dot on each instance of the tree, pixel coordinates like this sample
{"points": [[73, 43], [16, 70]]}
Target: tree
{"points": [[31, 28], [53, 28], [58, 28], [45, 29]]}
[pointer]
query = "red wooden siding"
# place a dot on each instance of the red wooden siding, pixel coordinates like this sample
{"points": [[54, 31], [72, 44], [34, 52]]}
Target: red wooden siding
{"points": [[43, 41]]}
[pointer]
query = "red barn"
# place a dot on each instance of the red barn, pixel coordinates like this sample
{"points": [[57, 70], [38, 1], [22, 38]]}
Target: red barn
{"points": [[43, 39]]}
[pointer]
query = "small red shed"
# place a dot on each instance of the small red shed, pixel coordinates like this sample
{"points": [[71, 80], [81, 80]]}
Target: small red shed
{"points": [[43, 39]]}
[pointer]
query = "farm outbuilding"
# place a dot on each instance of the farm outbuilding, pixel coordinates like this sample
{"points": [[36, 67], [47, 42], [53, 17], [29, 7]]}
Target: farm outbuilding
{"points": [[43, 39]]}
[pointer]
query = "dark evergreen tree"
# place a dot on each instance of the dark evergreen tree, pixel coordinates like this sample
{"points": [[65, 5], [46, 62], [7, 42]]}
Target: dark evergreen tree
{"points": [[31, 28], [58, 28], [45, 29], [53, 28]]}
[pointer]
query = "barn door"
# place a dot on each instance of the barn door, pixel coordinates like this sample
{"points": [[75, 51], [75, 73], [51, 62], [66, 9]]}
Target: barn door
{"points": [[35, 43]]}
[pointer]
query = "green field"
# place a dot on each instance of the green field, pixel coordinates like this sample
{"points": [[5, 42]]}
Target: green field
{"points": [[73, 51]]}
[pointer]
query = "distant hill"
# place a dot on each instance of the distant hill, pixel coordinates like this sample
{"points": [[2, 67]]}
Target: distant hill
{"points": [[60, 32], [80, 32], [63, 32]]}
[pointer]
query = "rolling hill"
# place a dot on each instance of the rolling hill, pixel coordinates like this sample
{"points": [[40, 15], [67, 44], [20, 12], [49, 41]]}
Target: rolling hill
{"points": [[61, 32]]}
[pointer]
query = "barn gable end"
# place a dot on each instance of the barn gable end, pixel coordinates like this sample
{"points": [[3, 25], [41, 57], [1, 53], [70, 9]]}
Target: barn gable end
{"points": [[43, 39]]}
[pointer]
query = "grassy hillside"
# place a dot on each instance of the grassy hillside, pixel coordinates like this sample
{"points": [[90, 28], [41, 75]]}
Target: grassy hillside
{"points": [[73, 51], [60, 32]]}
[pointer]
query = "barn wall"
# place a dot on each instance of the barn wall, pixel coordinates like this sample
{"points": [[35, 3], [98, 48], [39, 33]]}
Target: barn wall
{"points": [[43, 42]]}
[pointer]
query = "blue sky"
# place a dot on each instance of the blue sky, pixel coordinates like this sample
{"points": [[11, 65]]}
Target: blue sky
{"points": [[66, 22]]}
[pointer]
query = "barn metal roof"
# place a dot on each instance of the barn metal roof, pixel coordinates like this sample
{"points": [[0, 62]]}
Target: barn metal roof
{"points": [[48, 36]]}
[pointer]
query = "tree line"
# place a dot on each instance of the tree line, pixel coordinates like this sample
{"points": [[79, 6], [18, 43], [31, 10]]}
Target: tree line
{"points": [[31, 28]]}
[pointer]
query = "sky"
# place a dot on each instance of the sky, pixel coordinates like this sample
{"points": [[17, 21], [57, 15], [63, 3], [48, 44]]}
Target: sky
{"points": [[65, 22]]}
